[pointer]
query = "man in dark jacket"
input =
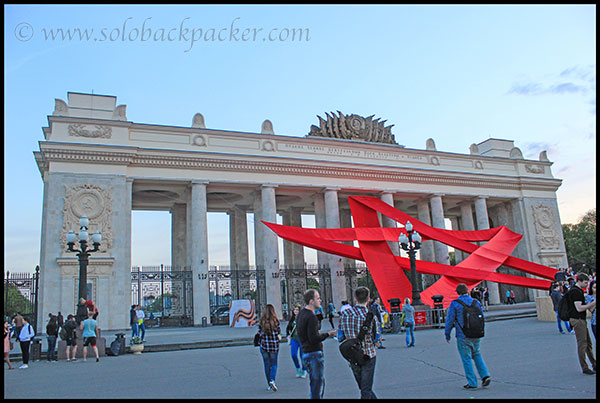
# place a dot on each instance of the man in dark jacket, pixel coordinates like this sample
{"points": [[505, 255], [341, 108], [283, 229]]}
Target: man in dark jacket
{"points": [[556, 296], [71, 340], [307, 326], [133, 321]]}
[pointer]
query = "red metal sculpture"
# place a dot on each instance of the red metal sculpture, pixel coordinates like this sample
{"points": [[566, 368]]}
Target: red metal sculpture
{"points": [[386, 268]]}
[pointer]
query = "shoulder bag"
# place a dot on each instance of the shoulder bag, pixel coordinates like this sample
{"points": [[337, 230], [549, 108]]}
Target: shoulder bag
{"points": [[351, 349]]}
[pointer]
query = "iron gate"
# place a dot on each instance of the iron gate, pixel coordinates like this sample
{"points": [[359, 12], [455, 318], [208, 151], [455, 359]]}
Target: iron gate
{"points": [[21, 295], [165, 292]]}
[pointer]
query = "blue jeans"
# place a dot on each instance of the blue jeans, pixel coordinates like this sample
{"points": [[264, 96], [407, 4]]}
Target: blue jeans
{"points": [[565, 322], [134, 330], [270, 361], [364, 378], [315, 365], [142, 327], [410, 332], [469, 350], [296, 347], [51, 355]]}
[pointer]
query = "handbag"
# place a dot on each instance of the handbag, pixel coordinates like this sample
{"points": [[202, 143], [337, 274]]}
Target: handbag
{"points": [[257, 339], [351, 349]]}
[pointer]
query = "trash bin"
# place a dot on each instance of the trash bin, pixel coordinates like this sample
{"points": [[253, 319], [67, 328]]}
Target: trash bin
{"points": [[35, 352], [396, 322], [121, 340], [204, 322]]}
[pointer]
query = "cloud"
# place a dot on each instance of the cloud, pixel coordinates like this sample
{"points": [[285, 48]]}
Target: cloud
{"points": [[533, 149]]}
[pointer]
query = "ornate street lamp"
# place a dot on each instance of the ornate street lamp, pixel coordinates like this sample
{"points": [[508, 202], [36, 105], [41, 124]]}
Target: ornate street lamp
{"points": [[83, 253], [411, 244]]}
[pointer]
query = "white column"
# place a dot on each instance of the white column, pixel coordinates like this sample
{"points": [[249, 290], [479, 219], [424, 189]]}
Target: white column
{"points": [[332, 219], [259, 227], [198, 231], [288, 252], [232, 245], [483, 222], [437, 218], [271, 249], [458, 256], [387, 222], [427, 253], [241, 237], [297, 249], [178, 236], [319, 200]]}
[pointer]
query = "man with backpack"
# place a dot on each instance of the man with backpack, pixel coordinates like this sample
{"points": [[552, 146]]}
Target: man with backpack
{"points": [[466, 313], [351, 321]]}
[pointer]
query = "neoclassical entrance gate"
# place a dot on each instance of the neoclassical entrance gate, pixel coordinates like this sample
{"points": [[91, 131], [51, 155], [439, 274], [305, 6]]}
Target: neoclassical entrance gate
{"points": [[94, 161]]}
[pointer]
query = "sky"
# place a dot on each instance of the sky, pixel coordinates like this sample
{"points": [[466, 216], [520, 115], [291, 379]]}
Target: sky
{"points": [[457, 74]]}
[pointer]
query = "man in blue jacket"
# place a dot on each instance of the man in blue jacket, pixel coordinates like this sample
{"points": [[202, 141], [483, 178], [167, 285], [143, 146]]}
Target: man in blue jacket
{"points": [[468, 348]]}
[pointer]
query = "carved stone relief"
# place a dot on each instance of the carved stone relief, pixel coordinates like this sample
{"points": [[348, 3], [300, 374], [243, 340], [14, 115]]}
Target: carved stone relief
{"points": [[545, 228], [199, 140], [78, 130], [93, 201], [353, 127], [534, 169]]}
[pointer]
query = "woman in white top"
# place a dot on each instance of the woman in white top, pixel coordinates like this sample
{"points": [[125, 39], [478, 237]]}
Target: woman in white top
{"points": [[25, 336]]}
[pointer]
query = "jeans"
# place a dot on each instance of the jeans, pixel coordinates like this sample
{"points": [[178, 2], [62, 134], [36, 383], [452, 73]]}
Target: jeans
{"points": [[410, 332], [315, 365], [135, 330], [364, 378], [296, 347], [25, 351], [51, 348], [565, 322], [142, 327], [469, 350], [270, 361], [594, 330]]}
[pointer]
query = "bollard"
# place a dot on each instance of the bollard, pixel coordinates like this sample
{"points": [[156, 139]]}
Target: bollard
{"points": [[35, 352]]}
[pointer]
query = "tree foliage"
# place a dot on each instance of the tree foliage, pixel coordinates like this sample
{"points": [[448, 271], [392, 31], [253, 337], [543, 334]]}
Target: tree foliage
{"points": [[580, 243]]}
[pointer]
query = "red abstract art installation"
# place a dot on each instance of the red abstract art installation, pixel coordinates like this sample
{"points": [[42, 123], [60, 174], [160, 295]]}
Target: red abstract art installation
{"points": [[387, 269]]}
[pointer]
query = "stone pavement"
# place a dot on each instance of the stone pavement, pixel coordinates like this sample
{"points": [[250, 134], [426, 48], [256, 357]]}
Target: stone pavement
{"points": [[527, 358]]}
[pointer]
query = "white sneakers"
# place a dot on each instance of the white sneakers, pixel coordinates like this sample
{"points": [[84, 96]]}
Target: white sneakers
{"points": [[272, 386], [24, 366]]}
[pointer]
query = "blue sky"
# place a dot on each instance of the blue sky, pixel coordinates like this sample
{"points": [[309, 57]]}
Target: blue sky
{"points": [[457, 74]]}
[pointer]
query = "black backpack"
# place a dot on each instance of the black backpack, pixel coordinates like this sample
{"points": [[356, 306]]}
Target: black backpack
{"points": [[351, 349], [473, 320], [563, 308]]}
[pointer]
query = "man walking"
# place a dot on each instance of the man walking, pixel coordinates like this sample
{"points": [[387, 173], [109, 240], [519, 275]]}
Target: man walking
{"points": [[140, 318], [133, 321], [71, 327], [577, 319], [351, 321], [468, 348], [556, 296], [307, 326], [90, 334]]}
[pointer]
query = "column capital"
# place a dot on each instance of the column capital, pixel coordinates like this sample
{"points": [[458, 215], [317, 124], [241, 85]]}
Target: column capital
{"points": [[129, 180], [387, 191], [199, 182], [332, 188], [268, 185], [438, 195], [482, 197]]}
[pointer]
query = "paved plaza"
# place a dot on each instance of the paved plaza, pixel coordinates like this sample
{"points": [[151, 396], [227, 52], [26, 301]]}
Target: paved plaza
{"points": [[526, 358]]}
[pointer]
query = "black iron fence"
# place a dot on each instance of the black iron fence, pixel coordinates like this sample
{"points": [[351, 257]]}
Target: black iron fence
{"points": [[21, 292], [165, 293]]}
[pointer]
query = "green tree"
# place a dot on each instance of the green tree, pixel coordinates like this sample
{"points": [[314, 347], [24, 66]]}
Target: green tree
{"points": [[580, 243], [15, 301], [157, 305]]}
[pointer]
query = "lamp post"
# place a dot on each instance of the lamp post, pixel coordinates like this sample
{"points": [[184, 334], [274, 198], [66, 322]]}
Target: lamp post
{"points": [[411, 244], [83, 253]]}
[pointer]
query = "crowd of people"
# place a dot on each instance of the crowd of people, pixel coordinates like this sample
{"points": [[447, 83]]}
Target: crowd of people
{"points": [[19, 329]]}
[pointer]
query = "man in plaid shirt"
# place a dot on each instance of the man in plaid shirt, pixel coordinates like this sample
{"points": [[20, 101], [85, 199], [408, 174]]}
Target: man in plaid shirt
{"points": [[351, 321]]}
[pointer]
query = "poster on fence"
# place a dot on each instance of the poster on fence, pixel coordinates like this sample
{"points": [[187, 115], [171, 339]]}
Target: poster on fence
{"points": [[242, 313]]}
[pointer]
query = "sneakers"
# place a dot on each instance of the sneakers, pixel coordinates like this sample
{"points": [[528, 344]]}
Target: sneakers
{"points": [[485, 381], [73, 359], [298, 372], [24, 366], [304, 373], [572, 332], [273, 386], [97, 359], [467, 386], [588, 371]]}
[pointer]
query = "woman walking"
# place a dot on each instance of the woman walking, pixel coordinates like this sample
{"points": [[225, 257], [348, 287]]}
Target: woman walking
{"points": [[52, 335], [7, 344], [409, 322], [269, 330], [295, 345]]}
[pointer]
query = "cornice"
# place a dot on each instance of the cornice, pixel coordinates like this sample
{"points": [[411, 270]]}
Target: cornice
{"points": [[141, 158]]}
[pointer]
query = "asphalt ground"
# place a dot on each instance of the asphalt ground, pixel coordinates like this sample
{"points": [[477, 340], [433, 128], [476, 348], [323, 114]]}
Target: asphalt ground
{"points": [[526, 358]]}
